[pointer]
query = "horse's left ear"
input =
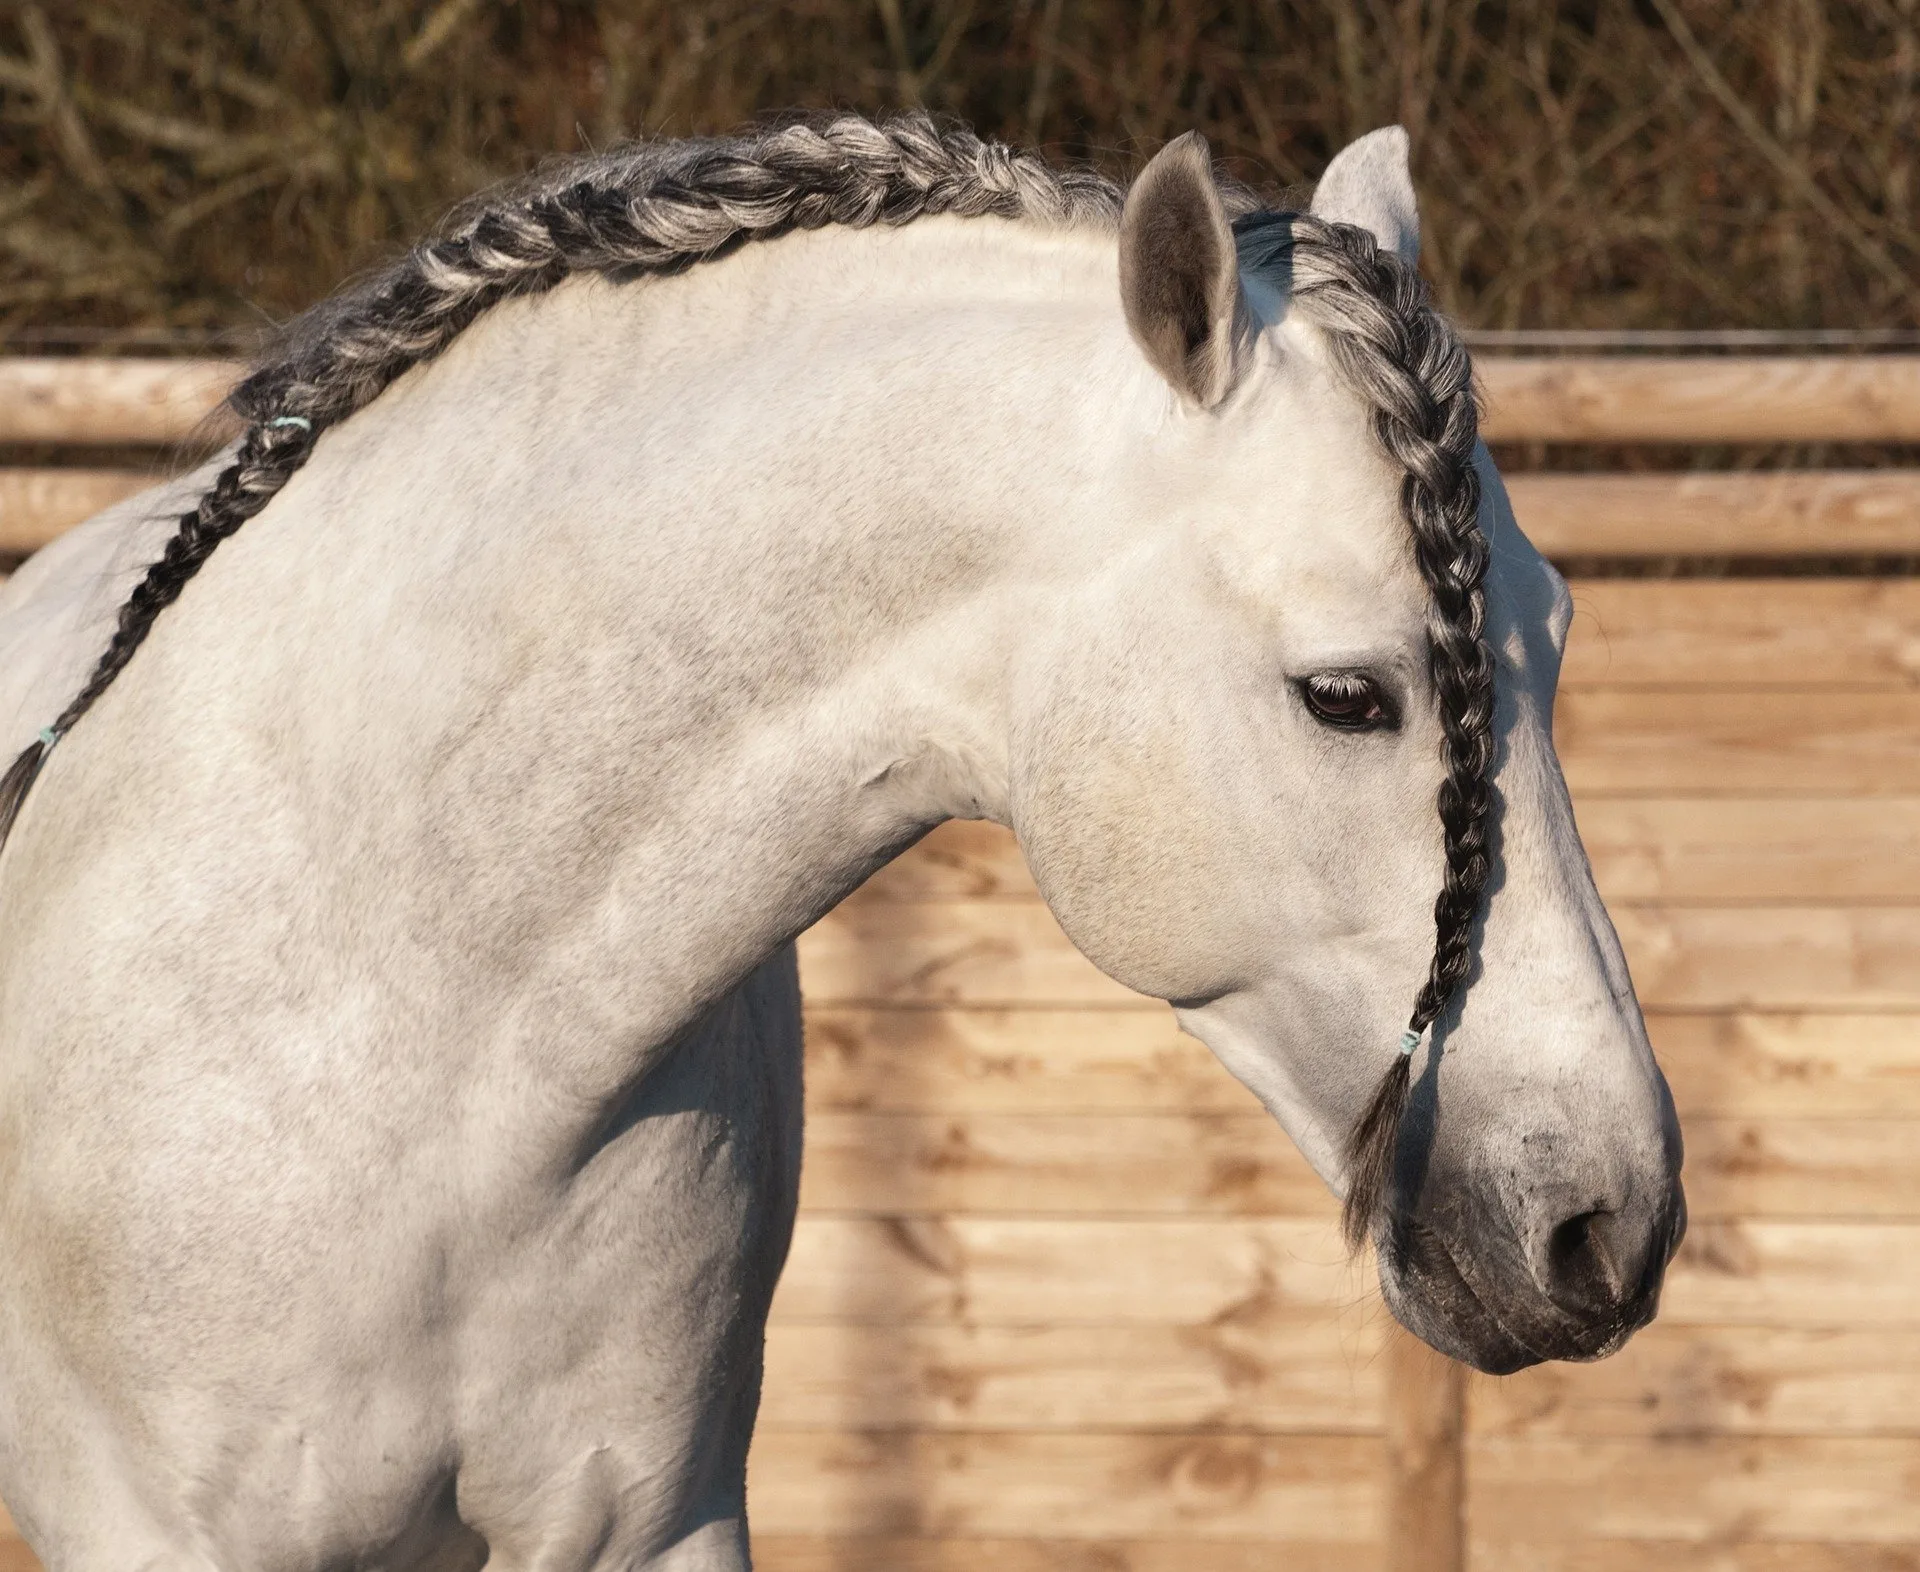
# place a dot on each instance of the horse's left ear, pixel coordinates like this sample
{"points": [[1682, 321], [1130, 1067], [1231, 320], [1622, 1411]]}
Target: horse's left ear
{"points": [[1179, 272], [1368, 184]]}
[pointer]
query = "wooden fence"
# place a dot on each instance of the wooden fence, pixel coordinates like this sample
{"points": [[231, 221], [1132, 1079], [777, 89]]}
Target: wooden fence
{"points": [[1062, 1296]]}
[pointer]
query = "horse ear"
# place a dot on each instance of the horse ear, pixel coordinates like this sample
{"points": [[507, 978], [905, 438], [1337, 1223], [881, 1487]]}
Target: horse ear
{"points": [[1179, 273], [1368, 184]]}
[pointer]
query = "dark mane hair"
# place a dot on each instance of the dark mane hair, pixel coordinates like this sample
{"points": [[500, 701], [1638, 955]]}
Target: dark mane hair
{"points": [[658, 208], [1413, 370]]}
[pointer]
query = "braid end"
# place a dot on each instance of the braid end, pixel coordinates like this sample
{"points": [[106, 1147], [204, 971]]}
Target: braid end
{"points": [[1371, 1149], [15, 784]]}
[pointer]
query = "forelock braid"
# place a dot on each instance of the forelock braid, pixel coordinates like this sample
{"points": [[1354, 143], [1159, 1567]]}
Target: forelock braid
{"points": [[1407, 362], [638, 211]]}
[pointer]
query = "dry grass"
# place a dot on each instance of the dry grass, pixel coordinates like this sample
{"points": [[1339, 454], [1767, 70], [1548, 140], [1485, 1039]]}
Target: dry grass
{"points": [[1619, 163]]}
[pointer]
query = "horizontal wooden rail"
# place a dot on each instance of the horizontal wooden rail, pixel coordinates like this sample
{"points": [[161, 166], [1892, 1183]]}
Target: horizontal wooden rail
{"points": [[1743, 399], [1779, 514], [37, 504], [109, 403], [1668, 398]]}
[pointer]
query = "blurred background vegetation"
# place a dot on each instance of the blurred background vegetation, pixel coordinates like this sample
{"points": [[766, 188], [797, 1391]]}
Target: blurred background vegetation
{"points": [[216, 164]]}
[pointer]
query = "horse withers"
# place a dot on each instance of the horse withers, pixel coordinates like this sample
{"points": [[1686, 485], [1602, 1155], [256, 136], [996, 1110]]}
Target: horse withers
{"points": [[399, 1034]]}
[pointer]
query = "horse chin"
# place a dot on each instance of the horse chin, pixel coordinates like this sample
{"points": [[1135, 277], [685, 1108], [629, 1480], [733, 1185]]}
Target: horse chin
{"points": [[1496, 1333], [1431, 1299]]}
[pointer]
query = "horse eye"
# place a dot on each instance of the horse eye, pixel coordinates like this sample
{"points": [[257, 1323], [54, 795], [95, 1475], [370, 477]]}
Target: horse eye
{"points": [[1346, 700]]}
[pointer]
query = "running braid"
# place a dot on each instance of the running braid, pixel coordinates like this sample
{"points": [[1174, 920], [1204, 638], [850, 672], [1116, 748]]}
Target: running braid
{"points": [[658, 208], [1411, 367], [650, 209]]}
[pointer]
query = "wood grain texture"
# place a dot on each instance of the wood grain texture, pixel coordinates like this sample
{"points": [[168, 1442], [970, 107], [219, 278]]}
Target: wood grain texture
{"points": [[38, 504], [1009, 954], [1803, 1168], [1705, 1489], [1736, 399], [1754, 1272], [1791, 1065], [1736, 743], [1753, 849], [1276, 1372], [110, 401], [1423, 1403], [1769, 514], [949, 1553], [1838, 633], [1086, 1485], [1009, 1271], [1688, 1555], [1243, 1165], [1760, 849], [1046, 1060], [1054, 1060], [1668, 398], [1015, 1271], [1679, 1382], [1012, 1163]]}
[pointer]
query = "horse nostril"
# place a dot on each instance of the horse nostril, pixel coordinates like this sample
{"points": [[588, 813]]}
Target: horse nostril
{"points": [[1583, 1260]]}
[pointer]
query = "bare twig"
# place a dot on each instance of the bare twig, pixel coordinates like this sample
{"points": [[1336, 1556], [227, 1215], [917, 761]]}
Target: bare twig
{"points": [[1868, 249], [446, 20]]}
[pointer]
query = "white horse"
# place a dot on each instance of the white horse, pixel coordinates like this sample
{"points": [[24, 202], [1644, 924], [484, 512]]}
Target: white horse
{"points": [[399, 1043]]}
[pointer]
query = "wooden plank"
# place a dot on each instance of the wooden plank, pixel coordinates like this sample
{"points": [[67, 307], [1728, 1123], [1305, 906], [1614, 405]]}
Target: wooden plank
{"points": [[1238, 1164], [1742, 399], [1080, 1486], [1783, 1168], [1773, 957], [1787, 1065], [819, 1553], [1689, 1555], [1757, 849], [1807, 1274], [1708, 1489], [111, 401], [1776, 513], [1722, 958], [954, 1062], [997, 1271], [1038, 1061], [961, 860], [1243, 1165], [1734, 743], [951, 952], [38, 504], [1840, 633], [1694, 1381], [1000, 1271], [1425, 1509], [1721, 849], [1280, 1373]]}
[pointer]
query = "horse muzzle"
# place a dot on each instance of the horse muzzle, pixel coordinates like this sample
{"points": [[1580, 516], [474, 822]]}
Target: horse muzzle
{"points": [[1501, 1298]]}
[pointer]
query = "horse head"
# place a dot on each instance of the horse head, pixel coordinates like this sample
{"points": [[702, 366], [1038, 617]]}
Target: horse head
{"points": [[1285, 759]]}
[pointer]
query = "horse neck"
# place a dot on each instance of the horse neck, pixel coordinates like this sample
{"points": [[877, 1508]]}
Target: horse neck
{"points": [[668, 612]]}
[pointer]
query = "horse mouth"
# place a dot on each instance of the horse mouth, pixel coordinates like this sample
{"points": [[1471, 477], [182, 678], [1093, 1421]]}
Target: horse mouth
{"points": [[1436, 1298]]}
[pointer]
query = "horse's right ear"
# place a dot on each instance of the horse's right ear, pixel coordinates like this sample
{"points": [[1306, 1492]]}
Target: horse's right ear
{"points": [[1179, 273]]}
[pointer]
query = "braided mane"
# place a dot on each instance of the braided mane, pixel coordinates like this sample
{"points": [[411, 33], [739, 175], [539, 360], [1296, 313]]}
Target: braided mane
{"points": [[656, 209], [1406, 360]]}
